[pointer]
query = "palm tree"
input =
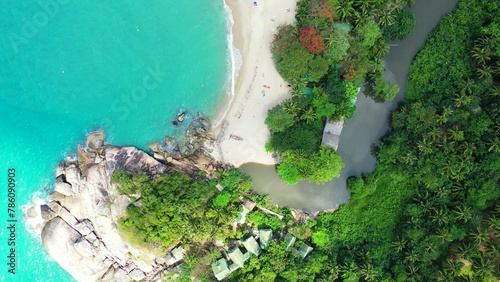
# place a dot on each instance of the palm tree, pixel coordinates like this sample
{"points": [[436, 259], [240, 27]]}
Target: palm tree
{"points": [[455, 134], [467, 250], [443, 234], [494, 145], [308, 116], [412, 270], [483, 267], [368, 272], [399, 244], [424, 146], [222, 173], [345, 9], [330, 40], [298, 86], [364, 255], [492, 249], [442, 119], [361, 19], [447, 111], [331, 273], [433, 133], [440, 217], [480, 55], [350, 271], [492, 222], [494, 92], [461, 99], [290, 107], [496, 126], [445, 276], [496, 210], [452, 267], [458, 189], [463, 212], [426, 206], [381, 48], [484, 72], [385, 17], [363, 5], [300, 83], [409, 158], [411, 256], [467, 86], [467, 148], [397, 4], [479, 236], [483, 42], [496, 68]]}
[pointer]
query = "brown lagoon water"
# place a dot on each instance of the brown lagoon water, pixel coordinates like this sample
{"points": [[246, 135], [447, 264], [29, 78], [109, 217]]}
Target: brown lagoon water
{"points": [[361, 131]]}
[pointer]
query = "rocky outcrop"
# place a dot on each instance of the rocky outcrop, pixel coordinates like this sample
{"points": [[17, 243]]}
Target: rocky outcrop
{"points": [[79, 224]]}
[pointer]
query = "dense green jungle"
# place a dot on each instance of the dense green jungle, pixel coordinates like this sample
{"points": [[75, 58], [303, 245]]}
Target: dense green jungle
{"points": [[429, 211]]}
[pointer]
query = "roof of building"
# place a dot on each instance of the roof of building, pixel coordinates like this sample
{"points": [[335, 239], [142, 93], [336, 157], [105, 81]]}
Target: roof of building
{"points": [[265, 237], [289, 241], [178, 253], [331, 133], [174, 256], [220, 269], [304, 250], [219, 187], [242, 215], [252, 246], [237, 257], [249, 205]]}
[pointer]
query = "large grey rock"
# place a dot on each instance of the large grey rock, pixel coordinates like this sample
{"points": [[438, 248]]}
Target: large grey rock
{"points": [[31, 212], [155, 147], [73, 176], [95, 140], [58, 239], [46, 212], [84, 227], [83, 247], [80, 230], [62, 187]]}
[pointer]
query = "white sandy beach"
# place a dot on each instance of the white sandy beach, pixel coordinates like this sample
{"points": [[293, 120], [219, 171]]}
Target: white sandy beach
{"points": [[253, 31]]}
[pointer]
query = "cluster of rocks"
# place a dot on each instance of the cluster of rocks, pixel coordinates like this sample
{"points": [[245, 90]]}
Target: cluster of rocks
{"points": [[194, 151], [79, 224]]}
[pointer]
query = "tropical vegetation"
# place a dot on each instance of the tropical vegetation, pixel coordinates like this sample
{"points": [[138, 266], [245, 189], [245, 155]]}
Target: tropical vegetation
{"points": [[429, 212], [335, 46]]}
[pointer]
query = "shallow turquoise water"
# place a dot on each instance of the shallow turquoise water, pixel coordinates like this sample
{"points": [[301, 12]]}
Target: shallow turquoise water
{"points": [[75, 66]]}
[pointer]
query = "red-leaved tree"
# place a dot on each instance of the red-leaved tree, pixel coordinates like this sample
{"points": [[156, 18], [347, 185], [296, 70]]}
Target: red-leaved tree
{"points": [[326, 10], [310, 39]]}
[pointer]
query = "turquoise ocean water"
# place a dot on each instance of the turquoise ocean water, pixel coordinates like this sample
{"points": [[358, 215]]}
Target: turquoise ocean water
{"points": [[69, 67]]}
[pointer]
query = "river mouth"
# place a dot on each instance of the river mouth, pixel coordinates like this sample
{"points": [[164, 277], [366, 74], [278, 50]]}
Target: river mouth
{"points": [[369, 123]]}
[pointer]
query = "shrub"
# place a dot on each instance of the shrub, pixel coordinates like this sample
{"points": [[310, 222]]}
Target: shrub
{"points": [[402, 27], [310, 39], [278, 119]]}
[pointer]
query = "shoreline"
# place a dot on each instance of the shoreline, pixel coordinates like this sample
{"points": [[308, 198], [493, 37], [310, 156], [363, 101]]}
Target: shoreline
{"points": [[244, 110], [234, 65]]}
